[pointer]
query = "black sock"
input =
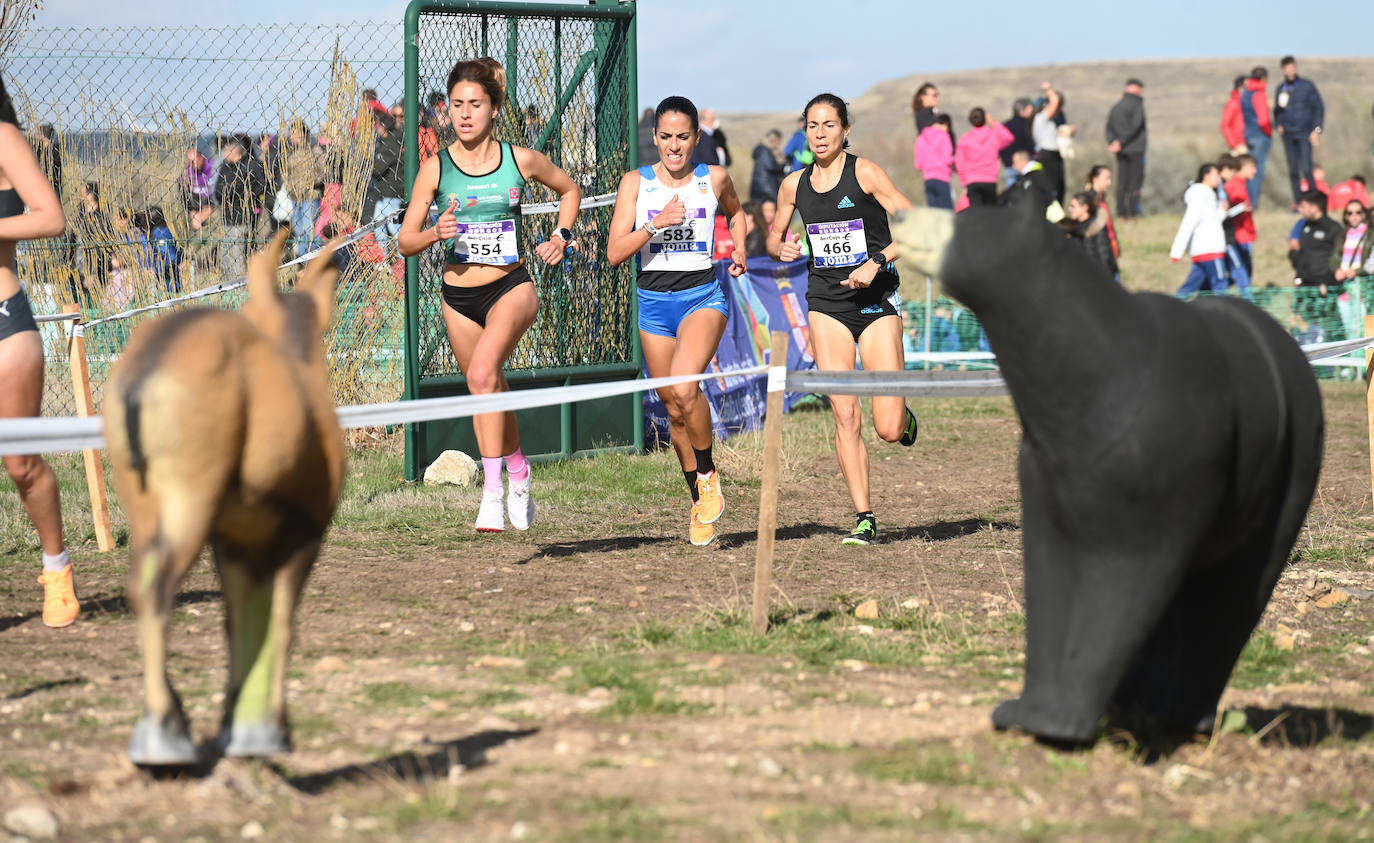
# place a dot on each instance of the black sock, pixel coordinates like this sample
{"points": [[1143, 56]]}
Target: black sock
{"points": [[691, 477], [705, 465], [868, 513]]}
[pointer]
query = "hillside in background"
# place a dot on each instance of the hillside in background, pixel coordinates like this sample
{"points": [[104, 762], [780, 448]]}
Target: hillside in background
{"points": [[1183, 101]]}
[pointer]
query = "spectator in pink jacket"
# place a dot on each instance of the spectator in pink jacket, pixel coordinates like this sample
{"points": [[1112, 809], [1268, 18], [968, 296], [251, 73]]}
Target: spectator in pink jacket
{"points": [[977, 160], [934, 154]]}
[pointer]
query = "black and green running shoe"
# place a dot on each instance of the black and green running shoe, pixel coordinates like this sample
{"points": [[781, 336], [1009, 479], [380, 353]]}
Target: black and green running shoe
{"points": [[865, 532], [910, 430]]}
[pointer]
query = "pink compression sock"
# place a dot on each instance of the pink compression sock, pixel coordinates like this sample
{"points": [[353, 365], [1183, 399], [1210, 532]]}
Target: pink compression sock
{"points": [[491, 474], [517, 466]]}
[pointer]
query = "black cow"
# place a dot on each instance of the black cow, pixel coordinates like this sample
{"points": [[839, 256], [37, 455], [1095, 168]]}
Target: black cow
{"points": [[1169, 454]]}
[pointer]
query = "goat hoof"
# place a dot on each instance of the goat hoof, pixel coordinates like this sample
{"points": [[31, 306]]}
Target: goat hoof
{"points": [[158, 742], [252, 740]]}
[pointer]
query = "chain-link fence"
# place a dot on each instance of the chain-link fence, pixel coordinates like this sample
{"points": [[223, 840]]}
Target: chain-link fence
{"points": [[172, 148], [567, 85], [1312, 314]]}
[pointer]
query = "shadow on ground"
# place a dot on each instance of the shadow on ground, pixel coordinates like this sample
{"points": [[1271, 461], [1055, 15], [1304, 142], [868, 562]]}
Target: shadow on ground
{"points": [[110, 604], [468, 752]]}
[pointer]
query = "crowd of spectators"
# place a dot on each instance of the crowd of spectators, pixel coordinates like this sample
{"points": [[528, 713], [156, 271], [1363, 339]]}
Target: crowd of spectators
{"points": [[1332, 262], [231, 195], [248, 185]]}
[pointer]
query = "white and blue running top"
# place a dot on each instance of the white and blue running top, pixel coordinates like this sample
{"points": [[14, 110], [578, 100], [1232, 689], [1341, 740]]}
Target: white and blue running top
{"points": [[677, 248]]}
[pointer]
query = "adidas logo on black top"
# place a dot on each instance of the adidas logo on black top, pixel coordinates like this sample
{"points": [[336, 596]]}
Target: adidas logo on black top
{"points": [[845, 203]]}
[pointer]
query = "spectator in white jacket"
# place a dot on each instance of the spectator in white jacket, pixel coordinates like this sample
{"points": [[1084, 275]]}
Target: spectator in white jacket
{"points": [[1201, 234]]}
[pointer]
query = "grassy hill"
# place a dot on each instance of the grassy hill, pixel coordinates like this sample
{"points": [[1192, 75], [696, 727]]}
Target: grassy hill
{"points": [[1183, 101]]}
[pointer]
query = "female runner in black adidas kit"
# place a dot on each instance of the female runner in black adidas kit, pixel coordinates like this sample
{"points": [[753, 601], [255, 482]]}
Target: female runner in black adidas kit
{"points": [[844, 202]]}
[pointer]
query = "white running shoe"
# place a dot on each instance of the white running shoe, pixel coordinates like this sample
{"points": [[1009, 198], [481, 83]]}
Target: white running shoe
{"points": [[520, 503], [491, 517]]}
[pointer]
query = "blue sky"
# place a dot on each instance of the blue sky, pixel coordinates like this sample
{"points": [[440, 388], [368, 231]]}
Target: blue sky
{"points": [[746, 55]]}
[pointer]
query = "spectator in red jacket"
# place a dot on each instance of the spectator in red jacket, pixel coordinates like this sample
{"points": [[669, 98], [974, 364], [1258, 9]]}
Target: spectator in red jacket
{"points": [[1232, 121], [1240, 222], [1254, 110], [1352, 189]]}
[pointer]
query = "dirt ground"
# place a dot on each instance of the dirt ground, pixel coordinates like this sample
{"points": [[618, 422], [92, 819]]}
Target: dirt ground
{"points": [[596, 679]]}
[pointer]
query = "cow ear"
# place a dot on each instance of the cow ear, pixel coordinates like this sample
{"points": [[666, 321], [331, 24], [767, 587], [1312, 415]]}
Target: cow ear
{"points": [[263, 267]]}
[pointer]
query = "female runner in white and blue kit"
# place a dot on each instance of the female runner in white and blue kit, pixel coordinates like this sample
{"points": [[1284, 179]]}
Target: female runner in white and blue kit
{"points": [[665, 214]]}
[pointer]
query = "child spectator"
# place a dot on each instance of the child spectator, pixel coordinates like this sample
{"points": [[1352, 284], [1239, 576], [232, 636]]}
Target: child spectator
{"points": [[1085, 224], [158, 248], [1240, 229], [1200, 234], [1352, 263], [1099, 181], [934, 156]]}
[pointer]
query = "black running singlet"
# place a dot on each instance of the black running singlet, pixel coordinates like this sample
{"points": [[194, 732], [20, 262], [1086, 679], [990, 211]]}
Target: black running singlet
{"points": [[844, 226], [10, 203]]}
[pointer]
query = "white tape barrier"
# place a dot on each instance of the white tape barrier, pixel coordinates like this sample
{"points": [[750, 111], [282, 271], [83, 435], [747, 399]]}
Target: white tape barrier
{"points": [[227, 286], [950, 357], [56, 317], [354, 236], [65, 433], [461, 406], [1333, 353], [908, 384], [51, 435]]}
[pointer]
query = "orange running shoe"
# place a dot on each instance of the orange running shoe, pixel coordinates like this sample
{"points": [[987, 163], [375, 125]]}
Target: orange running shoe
{"points": [[60, 607], [709, 498], [698, 533]]}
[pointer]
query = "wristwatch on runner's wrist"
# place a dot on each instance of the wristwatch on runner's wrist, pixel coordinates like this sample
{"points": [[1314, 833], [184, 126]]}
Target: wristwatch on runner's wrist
{"points": [[649, 227], [564, 234]]}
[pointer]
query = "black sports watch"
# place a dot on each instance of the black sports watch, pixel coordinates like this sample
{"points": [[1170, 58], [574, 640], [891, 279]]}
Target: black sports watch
{"points": [[878, 258], [564, 234]]}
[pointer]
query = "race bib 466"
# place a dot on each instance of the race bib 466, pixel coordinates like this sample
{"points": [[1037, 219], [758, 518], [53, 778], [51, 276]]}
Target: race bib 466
{"points": [[837, 243]]}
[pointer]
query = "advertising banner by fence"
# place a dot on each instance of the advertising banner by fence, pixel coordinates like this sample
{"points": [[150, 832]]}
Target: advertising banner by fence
{"points": [[769, 296]]}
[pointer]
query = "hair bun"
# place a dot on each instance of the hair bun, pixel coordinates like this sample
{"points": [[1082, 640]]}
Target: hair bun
{"points": [[497, 71]]}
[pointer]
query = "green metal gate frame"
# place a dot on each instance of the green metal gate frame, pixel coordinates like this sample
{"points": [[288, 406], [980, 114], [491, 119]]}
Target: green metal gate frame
{"points": [[421, 438]]}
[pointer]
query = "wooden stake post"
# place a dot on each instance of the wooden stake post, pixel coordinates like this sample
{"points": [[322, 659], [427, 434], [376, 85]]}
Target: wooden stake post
{"points": [[95, 470], [772, 467], [1369, 394]]}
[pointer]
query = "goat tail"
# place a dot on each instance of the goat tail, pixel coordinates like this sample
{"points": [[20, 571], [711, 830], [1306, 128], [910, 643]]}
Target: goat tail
{"points": [[133, 407]]}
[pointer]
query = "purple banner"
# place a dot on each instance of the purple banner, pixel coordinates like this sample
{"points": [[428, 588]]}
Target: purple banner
{"points": [[770, 296]]}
